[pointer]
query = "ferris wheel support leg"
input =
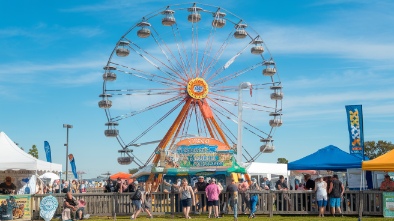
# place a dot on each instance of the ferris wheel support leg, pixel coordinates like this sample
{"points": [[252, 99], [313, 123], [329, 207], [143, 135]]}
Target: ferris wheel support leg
{"points": [[170, 134]]}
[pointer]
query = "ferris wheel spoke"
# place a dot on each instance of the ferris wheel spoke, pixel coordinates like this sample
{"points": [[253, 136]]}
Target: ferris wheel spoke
{"points": [[133, 113], [141, 52], [129, 92], [178, 67], [195, 48], [231, 138], [183, 55], [218, 54], [207, 50], [148, 76], [156, 123], [235, 117], [236, 74], [229, 62], [246, 105]]}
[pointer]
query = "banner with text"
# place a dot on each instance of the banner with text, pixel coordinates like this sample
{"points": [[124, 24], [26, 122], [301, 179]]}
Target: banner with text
{"points": [[354, 115], [15, 207]]}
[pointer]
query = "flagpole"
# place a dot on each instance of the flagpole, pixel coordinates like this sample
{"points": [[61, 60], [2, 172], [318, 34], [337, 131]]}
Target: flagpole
{"points": [[68, 126]]}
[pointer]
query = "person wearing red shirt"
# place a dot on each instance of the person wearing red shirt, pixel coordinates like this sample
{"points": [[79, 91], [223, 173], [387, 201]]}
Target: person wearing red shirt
{"points": [[387, 184]]}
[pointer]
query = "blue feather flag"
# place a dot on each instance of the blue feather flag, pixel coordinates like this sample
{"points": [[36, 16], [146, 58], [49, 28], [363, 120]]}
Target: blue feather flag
{"points": [[47, 151], [73, 167]]}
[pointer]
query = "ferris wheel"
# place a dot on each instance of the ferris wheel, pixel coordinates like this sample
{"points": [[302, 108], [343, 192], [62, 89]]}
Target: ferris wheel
{"points": [[186, 70]]}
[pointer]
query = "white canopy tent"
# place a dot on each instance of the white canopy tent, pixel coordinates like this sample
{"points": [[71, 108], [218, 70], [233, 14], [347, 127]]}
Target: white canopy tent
{"points": [[22, 167], [266, 169], [14, 158]]}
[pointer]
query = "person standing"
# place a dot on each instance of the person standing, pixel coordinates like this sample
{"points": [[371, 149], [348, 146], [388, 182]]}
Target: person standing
{"points": [[200, 186], [283, 197], [387, 184], [56, 186], [187, 197], [336, 192], [243, 186], [147, 205], [136, 200], [254, 197], [321, 195], [212, 191], [309, 185], [7, 187], [265, 184], [232, 194], [74, 186]]}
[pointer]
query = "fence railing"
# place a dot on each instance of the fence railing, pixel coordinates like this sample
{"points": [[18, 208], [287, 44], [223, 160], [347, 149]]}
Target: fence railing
{"points": [[269, 203]]}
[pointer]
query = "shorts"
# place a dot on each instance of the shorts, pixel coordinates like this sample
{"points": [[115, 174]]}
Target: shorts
{"points": [[322, 203], [335, 202], [213, 203], [136, 204], [186, 202]]}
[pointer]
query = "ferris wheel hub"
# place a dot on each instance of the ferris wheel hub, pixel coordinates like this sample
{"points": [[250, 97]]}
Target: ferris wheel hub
{"points": [[197, 88]]}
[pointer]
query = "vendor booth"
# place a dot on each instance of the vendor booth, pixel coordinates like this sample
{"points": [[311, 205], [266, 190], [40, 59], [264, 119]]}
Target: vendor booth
{"points": [[383, 163], [23, 169], [327, 158]]}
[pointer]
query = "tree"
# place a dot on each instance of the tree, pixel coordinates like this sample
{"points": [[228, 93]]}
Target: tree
{"points": [[373, 149], [33, 151], [282, 160]]}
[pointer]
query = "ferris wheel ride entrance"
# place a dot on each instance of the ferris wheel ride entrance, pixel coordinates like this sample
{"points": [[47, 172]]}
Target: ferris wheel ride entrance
{"points": [[181, 70]]}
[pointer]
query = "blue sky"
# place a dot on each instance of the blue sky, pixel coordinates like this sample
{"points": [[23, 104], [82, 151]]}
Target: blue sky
{"points": [[328, 53]]}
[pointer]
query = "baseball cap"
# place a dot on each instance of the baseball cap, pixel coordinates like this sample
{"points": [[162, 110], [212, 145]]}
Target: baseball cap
{"points": [[319, 176], [386, 175], [200, 177], [136, 182], [212, 180]]}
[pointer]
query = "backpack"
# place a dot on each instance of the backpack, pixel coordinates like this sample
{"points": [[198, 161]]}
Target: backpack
{"points": [[137, 194]]}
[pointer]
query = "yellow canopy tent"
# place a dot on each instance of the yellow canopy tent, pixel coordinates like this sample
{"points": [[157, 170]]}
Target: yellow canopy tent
{"points": [[384, 162]]}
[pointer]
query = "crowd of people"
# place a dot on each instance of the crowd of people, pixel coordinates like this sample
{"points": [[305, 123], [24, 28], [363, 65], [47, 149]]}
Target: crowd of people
{"points": [[329, 190], [190, 196], [241, 195]]}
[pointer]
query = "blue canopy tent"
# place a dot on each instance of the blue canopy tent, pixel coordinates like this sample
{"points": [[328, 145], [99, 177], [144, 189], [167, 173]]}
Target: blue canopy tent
{"points": [[327, 158]]}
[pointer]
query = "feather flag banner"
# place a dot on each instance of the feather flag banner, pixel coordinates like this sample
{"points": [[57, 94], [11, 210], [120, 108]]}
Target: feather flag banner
{"points": [[356, 131], [73, 166], [48, 151]]}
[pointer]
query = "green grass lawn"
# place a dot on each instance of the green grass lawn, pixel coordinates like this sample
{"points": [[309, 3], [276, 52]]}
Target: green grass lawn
{"points": [[245, 218]]}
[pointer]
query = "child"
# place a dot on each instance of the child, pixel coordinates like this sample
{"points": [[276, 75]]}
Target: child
{"points": [[147, 207], [81, 209]]}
